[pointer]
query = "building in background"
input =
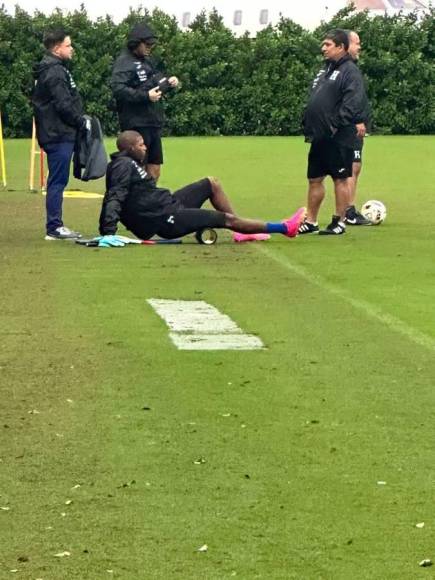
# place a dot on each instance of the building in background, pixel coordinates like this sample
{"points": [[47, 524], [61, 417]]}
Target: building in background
{"points": [[389, 5], [239, 15]]}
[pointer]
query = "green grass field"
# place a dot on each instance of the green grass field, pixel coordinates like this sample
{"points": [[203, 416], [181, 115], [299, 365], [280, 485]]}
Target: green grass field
{"points": [[314, 457]]}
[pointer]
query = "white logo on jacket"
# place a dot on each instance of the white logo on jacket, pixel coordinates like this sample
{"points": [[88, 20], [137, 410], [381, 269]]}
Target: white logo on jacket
{"points": [[316, 80], [140, 170], [71, 80], [334, 75], [141, 72]]}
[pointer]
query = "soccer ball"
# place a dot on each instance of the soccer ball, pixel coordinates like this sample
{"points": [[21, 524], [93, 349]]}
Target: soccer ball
{"points": [[375, 211]]}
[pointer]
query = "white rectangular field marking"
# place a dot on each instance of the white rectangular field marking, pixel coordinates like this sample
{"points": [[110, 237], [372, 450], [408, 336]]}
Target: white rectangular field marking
{"points": [[215, 341], [193, 316], [196, 325]]}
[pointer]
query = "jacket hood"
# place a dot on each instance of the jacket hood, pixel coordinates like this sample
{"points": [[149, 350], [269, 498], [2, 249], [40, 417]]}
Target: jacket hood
{"points": [[140, 32], [124, 155], [118, 154], [48, 61]]}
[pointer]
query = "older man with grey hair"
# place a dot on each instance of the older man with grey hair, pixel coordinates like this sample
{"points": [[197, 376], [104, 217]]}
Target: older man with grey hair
{"points": [[353, 216]]}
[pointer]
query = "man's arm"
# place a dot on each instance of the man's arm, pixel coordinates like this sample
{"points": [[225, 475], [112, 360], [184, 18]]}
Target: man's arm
{"points": [[122, 90], [118, 188], [58, 87], [351, 110]]}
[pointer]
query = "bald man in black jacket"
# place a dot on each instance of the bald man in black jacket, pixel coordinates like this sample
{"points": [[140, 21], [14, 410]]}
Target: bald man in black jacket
{"points": [[133, 198]]}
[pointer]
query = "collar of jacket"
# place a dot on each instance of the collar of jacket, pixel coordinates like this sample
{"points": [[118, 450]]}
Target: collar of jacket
{"points": [[333, 64], [119, 154], [56, 59]]}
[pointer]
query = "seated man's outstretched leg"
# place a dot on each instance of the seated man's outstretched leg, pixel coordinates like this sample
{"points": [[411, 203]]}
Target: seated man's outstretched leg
{"points": [[218, 198], [189, 220], [246, 230], [288, 227], [194, 195], [220, 202]]}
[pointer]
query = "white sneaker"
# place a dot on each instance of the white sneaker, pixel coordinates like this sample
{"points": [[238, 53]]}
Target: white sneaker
{"points": [[63, 233]]}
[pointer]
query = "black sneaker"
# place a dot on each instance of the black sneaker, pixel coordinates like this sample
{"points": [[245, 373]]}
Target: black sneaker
{"points": [[355, 218], [335, 228], [308, 228]]}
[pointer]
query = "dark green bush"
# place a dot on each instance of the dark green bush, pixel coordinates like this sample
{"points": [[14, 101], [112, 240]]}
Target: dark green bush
{"points": [[230, 86]]}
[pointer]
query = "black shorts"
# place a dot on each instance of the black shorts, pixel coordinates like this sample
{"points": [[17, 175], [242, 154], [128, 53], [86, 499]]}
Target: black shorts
{"points": [[152, 137], [357, 151], [327, 157], [186, 217]]}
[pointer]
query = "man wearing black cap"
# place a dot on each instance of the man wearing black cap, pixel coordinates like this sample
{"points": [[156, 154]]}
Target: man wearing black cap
{"points": [[138, 88]]}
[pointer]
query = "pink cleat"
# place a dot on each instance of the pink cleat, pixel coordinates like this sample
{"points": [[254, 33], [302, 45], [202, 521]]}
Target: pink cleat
{"points": [[238, 237], [292, 223]]}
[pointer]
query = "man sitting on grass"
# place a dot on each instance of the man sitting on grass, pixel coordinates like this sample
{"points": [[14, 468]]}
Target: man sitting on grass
{"points": [[133, 198]]}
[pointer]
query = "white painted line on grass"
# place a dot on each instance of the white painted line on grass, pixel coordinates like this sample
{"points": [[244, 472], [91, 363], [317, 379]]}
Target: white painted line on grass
{"points": [[196, 325], [392, 322], [215, 341], [193, 316]]}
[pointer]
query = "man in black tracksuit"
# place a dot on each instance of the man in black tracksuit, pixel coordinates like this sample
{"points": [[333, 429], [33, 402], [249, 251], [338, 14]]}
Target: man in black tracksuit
{"points": [[333, 118], [353, 216], [58, 114], [138, 87], [133, 198]]}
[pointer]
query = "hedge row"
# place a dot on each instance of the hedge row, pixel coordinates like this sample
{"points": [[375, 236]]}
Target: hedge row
{"points": [[230, 85]]}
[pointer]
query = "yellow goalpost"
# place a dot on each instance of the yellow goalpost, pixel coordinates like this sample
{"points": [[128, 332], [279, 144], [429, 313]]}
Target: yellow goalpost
{"points": [[34, 153], [37, 153]]}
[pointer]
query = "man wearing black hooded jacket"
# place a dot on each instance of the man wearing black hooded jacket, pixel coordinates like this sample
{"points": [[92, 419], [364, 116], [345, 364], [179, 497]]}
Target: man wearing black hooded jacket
{"points": [[138, 87], [58, 114], [333, 118]]}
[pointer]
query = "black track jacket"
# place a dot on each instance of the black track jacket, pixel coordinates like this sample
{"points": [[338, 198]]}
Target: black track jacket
{"points": [[336, 104], [132, 78], [90, 157], [56, 102], [133, 198]]}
